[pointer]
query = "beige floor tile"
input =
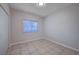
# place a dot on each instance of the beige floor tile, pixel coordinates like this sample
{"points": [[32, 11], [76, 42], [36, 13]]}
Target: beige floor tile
{"points": [[40, 47], [68, 51]]}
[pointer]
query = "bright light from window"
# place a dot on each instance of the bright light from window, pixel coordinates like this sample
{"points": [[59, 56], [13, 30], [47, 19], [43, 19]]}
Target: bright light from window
{"points": [[29, 26]]}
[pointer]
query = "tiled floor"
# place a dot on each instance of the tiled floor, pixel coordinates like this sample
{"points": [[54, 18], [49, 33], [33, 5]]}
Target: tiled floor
{"points": [[40, 47]]}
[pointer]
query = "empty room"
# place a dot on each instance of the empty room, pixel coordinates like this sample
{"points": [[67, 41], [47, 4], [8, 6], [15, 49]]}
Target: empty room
{"points": [[39, 28]]}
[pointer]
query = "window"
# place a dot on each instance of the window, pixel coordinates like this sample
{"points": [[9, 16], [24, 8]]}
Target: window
{"points": [[29, 26]]}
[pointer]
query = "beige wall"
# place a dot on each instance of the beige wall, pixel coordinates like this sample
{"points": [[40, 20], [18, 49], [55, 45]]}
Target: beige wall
{"points": [[18, 35], [63, 26]]}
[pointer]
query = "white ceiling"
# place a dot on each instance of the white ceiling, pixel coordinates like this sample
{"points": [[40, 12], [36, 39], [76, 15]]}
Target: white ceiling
{"points": [[41, 11]]}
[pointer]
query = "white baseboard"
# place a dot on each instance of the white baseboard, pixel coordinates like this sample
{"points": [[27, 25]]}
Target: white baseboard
{"points": [[63, 44], [20, 42]]}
